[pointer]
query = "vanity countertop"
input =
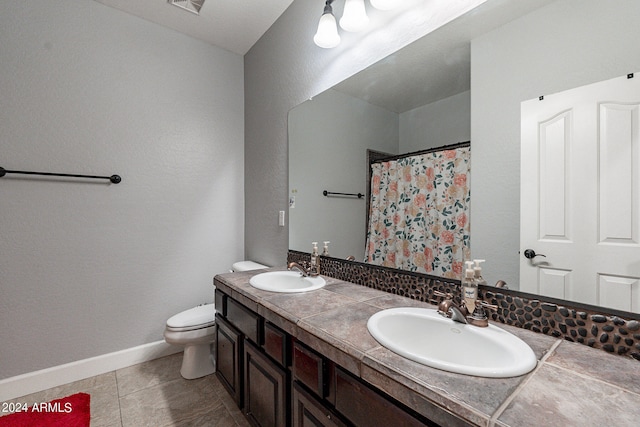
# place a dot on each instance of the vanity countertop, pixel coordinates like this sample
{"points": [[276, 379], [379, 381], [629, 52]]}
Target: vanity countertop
{"points": [[572, 384]]}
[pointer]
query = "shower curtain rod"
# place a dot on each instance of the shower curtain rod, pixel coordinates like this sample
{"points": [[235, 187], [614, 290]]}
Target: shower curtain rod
{"points": [[115, 179], [428, 150]]}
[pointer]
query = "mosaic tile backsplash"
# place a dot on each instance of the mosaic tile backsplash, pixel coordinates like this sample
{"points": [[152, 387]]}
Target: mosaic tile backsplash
{"points": [[597, 329]]}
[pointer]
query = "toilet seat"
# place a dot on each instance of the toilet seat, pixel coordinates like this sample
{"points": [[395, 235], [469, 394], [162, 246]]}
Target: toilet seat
{"points": [[203, 316]]}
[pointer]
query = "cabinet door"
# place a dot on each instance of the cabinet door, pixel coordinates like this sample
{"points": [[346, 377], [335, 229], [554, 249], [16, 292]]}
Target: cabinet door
{"points": [[265, 389], [309, 412], [228, 353]]}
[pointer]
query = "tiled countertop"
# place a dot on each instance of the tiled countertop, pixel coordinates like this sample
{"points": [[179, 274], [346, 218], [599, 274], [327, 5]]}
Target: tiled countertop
{"points": [[572, 385]]}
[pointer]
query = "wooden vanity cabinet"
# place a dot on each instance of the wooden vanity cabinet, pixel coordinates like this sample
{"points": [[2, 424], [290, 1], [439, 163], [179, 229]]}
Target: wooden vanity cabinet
{"points": [[279, 381]]}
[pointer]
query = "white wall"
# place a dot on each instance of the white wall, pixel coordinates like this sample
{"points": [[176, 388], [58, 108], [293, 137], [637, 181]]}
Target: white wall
{"points": [[443, 122], [328, 141], [283, 70], [91, 268], [567, 44]]}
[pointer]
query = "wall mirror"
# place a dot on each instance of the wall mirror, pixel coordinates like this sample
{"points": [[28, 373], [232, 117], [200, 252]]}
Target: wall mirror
{"points": [[424, 96]]}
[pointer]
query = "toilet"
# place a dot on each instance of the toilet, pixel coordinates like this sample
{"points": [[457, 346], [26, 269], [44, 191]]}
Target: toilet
{"points": [[195, 329]]}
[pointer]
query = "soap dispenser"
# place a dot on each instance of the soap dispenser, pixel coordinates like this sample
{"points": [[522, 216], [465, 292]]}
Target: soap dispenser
{"points": [[478, 272], [315, 260], [325, 249], [470, 288]]}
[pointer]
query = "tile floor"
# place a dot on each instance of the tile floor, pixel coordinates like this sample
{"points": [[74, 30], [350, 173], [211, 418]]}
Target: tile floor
{"points": [[151, 394]]}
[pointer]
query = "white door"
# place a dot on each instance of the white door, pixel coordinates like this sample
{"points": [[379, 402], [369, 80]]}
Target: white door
{"points": [[580, 194]]}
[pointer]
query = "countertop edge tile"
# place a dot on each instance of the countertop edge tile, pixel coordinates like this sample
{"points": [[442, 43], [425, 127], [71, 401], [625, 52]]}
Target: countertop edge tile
{"points": [[440, 410], [347, 361]]}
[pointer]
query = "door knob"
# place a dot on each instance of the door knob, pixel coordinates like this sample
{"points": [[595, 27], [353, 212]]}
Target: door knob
{"points": [[530, 254]]}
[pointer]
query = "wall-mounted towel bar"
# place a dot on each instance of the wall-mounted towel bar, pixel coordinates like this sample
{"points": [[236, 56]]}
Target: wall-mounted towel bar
{"points": [[115, 179], [330, 194]]}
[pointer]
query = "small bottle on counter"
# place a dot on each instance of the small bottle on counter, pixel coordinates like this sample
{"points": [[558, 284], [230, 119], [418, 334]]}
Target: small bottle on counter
{"points": [[478, 272], [325, 249], [315, 260], [470, 288]]}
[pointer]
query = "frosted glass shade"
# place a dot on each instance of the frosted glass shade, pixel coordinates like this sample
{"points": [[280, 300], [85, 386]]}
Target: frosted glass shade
{"points": [[354, 17], [385, 4], [327, 35]]}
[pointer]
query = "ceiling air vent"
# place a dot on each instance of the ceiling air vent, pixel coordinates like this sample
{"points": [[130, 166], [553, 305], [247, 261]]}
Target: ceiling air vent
{"points": [[192, 6]]}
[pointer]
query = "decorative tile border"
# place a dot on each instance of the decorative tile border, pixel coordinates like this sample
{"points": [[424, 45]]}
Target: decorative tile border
{"points": [[587, 325], [597, 329], [405, 283]]}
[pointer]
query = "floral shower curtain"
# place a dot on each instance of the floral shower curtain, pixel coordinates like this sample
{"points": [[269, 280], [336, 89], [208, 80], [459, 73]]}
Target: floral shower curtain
{"points": [[419, 213]]}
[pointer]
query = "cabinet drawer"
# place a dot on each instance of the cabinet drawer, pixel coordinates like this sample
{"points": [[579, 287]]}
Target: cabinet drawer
{"points": [[221, 302], [244, 319], [308, 411], [360, 404], [276, 344], [309, 368]]}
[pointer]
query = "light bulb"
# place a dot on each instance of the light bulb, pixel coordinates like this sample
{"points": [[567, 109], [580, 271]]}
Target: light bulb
{"points": [[354, 18], [327, 35], [384, 4]]}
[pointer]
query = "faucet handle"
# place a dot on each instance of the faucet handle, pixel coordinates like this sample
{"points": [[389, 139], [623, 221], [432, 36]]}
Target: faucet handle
{"points": [[479, 316], [502, 284], [445, 304], [292, 266], [447, 295], [486, 305]]}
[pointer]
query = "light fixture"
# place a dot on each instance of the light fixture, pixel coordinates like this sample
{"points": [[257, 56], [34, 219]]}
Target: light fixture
{"points": [[384, 4], [354, 17], [327, 35]]}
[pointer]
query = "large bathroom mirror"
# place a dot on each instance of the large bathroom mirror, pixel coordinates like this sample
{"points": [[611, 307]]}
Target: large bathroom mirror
{"points": [[463, 82]]}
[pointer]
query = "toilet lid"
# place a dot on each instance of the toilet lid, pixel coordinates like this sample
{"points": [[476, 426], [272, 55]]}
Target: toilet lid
{"points": [[247, 266], [197, 317]]}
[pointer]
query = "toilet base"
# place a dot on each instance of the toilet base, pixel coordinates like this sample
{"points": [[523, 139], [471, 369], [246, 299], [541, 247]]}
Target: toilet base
{"points": [[197, 361]]}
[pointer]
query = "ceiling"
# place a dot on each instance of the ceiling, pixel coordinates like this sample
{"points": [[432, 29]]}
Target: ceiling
{"points": [[435, 67], [234, 25]]}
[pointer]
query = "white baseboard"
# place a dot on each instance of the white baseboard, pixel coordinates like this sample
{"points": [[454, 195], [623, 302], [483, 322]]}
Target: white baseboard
{"points": [[36, 381]]}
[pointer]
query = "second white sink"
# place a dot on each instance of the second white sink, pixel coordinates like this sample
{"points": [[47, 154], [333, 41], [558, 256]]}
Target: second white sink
{"points": [[426, 337], [286, 281]]}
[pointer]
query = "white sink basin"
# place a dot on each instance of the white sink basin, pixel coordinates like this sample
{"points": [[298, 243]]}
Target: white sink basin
{"points": [[426, 337], [286, 281]]}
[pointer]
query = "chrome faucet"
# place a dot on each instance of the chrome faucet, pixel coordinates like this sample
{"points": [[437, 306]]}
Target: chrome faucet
{"points": [[450, 309], [305, 272], [456, 314], [294, 266], [460, 313]]}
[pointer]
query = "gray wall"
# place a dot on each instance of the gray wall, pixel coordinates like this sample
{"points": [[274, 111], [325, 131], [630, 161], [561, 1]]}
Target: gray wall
{"points": [[443, 122], [567, 44], [283, 70], [91, 268], [328, 141]]}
